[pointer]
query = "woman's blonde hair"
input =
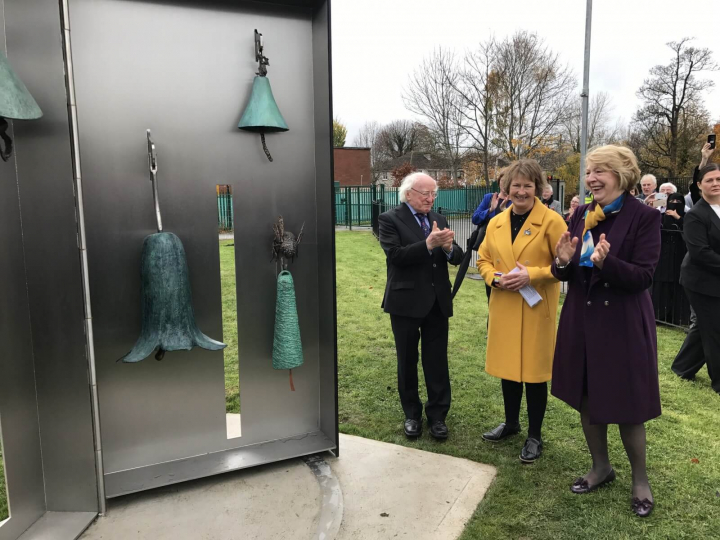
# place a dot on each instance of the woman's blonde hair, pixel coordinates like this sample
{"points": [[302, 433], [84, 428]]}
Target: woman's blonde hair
{"points": [[619, 160], [527, 168]]}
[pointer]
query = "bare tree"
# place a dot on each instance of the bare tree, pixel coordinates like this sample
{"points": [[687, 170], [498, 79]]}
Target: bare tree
{"points": [[396, 139], [601, 127], [672, 105], [476, 85], [431, 95], [367, 137], [533, 95]]}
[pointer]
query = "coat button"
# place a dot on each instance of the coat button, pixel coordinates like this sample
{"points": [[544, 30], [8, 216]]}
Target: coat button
{"points": [[432, 284], [607, 303], [527, 262], [607, 285], [434, 265], [497, 260], [589, 303]]}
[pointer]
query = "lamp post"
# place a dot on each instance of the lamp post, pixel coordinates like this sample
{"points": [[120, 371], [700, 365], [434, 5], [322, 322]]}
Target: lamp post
{"points": [[585, 102]]}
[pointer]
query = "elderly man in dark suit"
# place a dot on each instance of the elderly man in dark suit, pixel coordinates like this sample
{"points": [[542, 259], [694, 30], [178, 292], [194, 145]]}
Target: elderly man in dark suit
{"points": [[418, 245]]}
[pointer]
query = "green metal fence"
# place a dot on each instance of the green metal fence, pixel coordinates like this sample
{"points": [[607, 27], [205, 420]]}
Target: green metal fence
{"points": [[353, 204]]}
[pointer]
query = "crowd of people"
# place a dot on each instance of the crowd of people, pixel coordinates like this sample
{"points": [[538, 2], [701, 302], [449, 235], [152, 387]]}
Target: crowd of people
{"points": [[603, 359]]}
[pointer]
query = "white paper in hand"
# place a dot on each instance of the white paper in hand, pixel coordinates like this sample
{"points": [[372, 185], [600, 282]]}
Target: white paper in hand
{"points": [[528, 292]]}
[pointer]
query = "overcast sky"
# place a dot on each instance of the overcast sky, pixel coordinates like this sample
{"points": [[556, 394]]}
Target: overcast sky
{"points": [[378, 43]]}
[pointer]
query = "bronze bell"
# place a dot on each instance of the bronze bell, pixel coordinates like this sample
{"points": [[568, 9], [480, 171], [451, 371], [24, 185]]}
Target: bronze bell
{"points": [[262, 114], [16, 103]]}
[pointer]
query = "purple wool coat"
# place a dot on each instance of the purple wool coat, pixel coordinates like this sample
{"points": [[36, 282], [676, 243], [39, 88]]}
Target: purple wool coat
{"points": [[607, 324]]}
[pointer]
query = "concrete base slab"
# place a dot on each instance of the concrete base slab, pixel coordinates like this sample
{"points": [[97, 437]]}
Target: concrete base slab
{"points": [[374, 491], [393, 491], [277, 501]]}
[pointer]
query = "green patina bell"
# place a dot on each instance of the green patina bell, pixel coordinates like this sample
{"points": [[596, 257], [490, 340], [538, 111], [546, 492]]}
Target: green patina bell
{"points": [[16, 103], [262, 114], [168, 317]]}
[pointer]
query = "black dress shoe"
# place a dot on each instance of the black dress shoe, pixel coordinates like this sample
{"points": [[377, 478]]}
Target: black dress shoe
{"points": [[438, 430], [501, 432], [642, 508], [413, 428], [581, 486], [532, 450]]}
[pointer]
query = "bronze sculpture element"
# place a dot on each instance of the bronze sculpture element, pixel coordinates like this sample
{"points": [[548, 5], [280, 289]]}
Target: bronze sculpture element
{"points": [[168, 317], [262, 114], [287, 345]]}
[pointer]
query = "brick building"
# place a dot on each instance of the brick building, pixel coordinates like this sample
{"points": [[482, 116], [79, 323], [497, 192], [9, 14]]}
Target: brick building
{"points": [[352, 166]]}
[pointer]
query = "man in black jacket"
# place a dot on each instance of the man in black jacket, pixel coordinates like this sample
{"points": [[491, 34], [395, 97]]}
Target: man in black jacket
{"points": [[418, 245]]}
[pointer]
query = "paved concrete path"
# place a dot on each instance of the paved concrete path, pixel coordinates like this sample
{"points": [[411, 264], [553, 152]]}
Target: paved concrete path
{"points": [[374, 491]]}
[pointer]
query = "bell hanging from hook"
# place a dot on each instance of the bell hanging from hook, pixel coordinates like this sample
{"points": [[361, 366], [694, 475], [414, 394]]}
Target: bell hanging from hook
{"points": [[16, 103], [262, 114]]}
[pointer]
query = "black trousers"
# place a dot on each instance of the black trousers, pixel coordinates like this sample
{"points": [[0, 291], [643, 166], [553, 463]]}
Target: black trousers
{"points": [[702, 344], [433, 329]]}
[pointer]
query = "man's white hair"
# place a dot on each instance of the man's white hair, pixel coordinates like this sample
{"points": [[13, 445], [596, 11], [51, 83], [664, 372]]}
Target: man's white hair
{"points": [[548, 187], [649, 177], [672, 187], [408, 183]]}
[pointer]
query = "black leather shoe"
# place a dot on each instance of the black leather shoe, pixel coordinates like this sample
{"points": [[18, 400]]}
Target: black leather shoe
{"points": [[413, 428], [642, 508], [438, 430], [532, 450], [581, 486], [501, 432]]}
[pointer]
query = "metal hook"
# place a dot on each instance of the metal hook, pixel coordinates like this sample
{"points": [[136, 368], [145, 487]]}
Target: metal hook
{"points": [[153, 166], [259, 56]]}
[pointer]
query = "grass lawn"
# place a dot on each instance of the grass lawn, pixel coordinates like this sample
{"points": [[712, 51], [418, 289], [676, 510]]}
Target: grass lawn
{"points": [[229, 308], [527, 501]]}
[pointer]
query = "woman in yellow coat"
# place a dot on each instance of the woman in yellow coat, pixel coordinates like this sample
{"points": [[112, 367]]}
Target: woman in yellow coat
{"points": [[521, 339]]}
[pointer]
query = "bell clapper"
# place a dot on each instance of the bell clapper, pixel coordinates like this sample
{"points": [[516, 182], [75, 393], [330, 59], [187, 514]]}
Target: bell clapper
{"points": [[292, 385], [6, 152], [153, 166], [267, 152], [160, 354]]}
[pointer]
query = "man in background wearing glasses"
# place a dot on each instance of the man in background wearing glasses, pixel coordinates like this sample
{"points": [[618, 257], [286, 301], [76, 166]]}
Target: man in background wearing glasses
{"points": [[418, 245]]}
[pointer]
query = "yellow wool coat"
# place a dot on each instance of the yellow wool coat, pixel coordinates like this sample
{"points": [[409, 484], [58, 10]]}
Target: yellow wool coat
{"points": [[521, 339]]}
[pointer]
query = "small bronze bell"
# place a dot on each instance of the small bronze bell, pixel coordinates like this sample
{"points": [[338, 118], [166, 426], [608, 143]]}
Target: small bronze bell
{"points": [[16, 103], [262, 114]]}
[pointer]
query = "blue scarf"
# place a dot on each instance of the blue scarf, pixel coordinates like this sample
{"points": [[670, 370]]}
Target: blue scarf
{"points": [[592, 218]]}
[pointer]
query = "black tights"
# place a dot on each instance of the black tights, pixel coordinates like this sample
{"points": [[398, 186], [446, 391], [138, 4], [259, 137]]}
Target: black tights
{"points": [[536, 404], [633, 438]]}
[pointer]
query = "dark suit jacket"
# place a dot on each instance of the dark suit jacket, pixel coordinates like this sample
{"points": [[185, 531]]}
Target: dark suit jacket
{"points": [[700, 270], [415, 278]]}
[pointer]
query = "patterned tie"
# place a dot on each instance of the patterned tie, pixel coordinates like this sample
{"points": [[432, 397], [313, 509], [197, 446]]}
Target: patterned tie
{"points": [[423, 224]]}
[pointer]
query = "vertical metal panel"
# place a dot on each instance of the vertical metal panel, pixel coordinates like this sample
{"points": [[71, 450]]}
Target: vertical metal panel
{"points": [[326, 221], [185, 70], [52, 261], [18, 403]]}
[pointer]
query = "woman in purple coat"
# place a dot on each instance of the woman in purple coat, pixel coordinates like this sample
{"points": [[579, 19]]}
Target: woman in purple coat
{"points": [[605, 362]]}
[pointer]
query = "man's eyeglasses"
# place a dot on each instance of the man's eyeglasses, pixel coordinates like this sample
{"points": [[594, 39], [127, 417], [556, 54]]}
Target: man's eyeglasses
{"points": [[431, 194]]}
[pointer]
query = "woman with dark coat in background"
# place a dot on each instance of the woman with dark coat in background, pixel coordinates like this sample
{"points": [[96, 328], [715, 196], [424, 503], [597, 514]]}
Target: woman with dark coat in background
{"points": [[605, 362], [700, 277]]}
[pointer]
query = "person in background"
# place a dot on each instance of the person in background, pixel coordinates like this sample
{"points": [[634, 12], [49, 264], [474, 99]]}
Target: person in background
{"points": [[674, 212], [547, 199], [700, 277], [648, 183], [491, 205], [633, 192], [667, 188], [574, 203], [605, 362], [520, 243], [694, 194]]}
